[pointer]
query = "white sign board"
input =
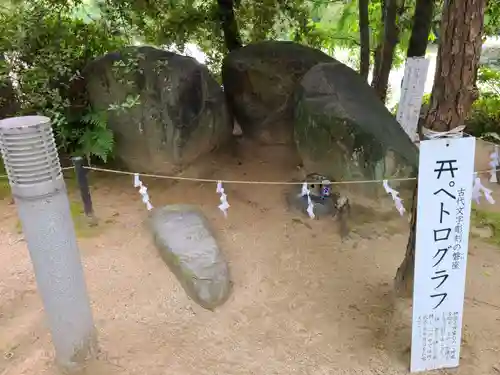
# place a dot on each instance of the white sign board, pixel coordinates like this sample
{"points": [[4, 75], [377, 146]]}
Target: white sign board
{"points": [[412, 92], [445, 181]]}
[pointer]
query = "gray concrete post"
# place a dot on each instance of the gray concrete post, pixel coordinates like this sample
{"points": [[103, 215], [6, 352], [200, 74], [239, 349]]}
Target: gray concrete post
{"points": [[32, 164]]}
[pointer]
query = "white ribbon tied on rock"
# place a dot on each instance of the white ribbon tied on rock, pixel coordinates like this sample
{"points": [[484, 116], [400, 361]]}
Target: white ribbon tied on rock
{"points": [[310, 205], [478, 188], [398, 202], [494, 163], [143, 190], [224, 205]]}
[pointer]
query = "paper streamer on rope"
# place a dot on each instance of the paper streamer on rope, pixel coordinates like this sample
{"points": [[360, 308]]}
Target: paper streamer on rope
{"points": [[224, 205], [143, 190], [310, 205], [398, 202], [494, 163], [478, 188]]}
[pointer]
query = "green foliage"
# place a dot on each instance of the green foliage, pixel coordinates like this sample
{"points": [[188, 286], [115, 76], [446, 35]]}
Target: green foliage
{"points": [[94, 138], [4, 183], [485, 117], [175, 23], [338, 27], [488, 80], [46, 49], [426, 99], [323, 24], [48, 43], [484, 120], [492, 18]]}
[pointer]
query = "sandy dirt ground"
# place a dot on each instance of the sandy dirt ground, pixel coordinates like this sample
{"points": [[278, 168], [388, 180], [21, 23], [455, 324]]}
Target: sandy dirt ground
{"points": [[304, 302]]}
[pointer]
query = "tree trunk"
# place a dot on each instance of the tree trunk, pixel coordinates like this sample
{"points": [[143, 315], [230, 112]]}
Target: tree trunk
{"points": [[380, 80], [453, 93], [364, 38], [422, 20], [377, 53], [377, 58], [229, 25], [9, 104], [455, 88], [403, 281]]}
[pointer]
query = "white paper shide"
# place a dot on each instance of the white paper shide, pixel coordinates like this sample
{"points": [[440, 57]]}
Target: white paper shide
{"points": [[444, 202]]}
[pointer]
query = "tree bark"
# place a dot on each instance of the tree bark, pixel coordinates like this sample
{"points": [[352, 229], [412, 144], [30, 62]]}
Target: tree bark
{"points": [[229, 25], [452, 96], [403, 282], [377, 53], [380, 80], [9, 104], [364, 38], [455, 88], [422, 21]]}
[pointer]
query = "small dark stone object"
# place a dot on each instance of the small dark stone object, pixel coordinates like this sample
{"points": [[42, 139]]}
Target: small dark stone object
{"points": [[327, 203]]}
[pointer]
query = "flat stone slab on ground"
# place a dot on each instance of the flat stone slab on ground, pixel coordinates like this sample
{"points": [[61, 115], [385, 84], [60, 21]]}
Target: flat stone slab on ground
{"points": [[182, 235]]}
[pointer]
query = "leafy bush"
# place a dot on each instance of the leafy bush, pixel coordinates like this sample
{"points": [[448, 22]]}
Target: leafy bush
{"points": [[485, 117], [484, 120], [489, 80], [46, 48]]}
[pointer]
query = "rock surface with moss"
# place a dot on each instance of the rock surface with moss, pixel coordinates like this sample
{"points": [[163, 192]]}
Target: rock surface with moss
{"points": [[343, 130], [164, 109], [259, 80], [184, 239]]}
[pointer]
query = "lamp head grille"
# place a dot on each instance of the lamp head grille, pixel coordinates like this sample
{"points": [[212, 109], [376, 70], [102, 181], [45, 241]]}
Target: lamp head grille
{"points": [[29, 150]]}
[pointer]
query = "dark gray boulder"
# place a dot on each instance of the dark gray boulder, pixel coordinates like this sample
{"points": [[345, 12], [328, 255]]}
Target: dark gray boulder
{"points": [[343, 130], [180, 112], [185, 242], [259, 80]]}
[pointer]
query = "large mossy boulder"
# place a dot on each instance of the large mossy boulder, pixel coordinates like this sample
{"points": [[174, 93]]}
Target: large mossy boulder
{"points": [[167, 110], [343, 130], [182, 235], [259, 81]]}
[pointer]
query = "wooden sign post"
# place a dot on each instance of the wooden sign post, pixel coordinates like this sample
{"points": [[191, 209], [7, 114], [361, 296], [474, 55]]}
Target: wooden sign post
{"points": [[412, 93], [443, 218]]}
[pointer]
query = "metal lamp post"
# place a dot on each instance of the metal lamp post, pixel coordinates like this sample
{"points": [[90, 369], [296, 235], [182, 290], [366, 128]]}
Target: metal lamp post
{"points": [[30, 156]]}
